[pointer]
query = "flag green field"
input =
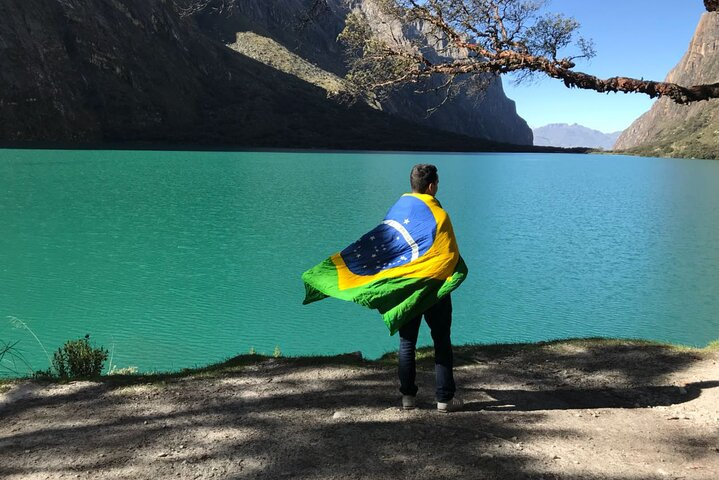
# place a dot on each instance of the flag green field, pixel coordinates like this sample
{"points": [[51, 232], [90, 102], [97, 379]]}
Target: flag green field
{"points": [[401, 267]]}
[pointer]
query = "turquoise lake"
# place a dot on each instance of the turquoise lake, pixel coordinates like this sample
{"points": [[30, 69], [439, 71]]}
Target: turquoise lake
{"points": [[179, 259]]}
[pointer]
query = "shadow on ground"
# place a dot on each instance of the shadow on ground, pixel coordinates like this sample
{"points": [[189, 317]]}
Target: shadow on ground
{"points": [[330, 418]]}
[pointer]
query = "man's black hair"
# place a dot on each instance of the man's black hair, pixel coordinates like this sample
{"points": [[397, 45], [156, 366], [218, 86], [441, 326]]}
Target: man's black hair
{"points": [[422, 175]]}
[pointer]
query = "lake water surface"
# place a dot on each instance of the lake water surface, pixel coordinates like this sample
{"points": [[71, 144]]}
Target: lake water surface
{"points": [[179, 259]]}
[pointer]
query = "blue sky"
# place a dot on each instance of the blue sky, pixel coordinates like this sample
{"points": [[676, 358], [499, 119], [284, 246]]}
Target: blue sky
{"points": [[635, 38]]}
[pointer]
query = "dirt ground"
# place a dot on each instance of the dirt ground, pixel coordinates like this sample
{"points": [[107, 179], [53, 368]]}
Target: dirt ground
{"points": [[560, 411]]}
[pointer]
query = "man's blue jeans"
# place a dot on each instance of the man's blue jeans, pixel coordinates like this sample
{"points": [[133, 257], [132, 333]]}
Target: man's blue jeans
{"points": [[439, 319]]}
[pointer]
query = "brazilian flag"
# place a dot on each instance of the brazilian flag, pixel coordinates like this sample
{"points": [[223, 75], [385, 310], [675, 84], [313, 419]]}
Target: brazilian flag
{"points": [[401, 267]]}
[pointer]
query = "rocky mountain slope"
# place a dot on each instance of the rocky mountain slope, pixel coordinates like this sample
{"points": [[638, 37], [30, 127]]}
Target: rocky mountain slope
{"points": [[118, 71], [675, 130], [569, 136], [309, 29]]}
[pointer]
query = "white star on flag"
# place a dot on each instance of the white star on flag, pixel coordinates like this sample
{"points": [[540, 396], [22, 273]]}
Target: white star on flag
{"points": [[406, 221], [372, 238]]}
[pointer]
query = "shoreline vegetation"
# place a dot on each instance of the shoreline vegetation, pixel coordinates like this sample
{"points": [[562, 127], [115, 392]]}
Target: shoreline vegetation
{"points": [[473, 146], [466, 354], [582, 409]]}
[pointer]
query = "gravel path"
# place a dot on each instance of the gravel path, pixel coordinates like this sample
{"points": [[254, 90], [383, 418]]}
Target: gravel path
{"points": [[561, 411]]}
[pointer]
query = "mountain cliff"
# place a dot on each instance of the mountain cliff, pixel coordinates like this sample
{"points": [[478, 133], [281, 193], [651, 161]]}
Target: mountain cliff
{"points": [[569, 136], [668, 129], [118, 71], [309, 29], [160, 71]]}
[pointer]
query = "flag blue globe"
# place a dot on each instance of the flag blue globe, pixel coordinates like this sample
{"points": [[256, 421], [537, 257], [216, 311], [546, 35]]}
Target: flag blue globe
{"points": [[407, 232]]}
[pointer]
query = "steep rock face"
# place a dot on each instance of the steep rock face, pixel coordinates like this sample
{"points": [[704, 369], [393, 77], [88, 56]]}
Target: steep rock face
{"points": [[103, 70], [96, 71], [668, 129], [310, 28]]}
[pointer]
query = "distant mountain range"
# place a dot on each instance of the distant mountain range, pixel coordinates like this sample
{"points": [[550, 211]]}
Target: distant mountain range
{"points": [[570, 136], [671, 130]]}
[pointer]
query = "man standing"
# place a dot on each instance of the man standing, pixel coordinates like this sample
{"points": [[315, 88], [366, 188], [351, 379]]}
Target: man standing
{"points": [[425, 180], [406, 268]]}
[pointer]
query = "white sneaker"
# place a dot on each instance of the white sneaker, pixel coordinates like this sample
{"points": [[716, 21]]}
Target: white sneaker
{"points": [[454, 405], [409, 402]]}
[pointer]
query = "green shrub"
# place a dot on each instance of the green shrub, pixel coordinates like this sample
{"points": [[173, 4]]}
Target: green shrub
{"points": [[78, 359]]}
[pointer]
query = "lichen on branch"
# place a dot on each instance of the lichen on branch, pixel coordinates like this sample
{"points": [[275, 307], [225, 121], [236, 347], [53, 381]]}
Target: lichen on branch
{"points": [[484, 36]]}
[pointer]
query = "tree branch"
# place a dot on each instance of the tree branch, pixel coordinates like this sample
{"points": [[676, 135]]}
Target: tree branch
{"points": [[514, 38]]}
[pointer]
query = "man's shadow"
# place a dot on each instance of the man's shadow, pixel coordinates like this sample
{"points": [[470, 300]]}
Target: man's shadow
{"points": [[579, 399]]}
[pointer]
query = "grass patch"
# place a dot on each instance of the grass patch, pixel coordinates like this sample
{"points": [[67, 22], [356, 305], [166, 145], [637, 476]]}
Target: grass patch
{"points": [[464, 355], [599, 342], [6, 385], [477, 353], [232, 367], [218, 370]]}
